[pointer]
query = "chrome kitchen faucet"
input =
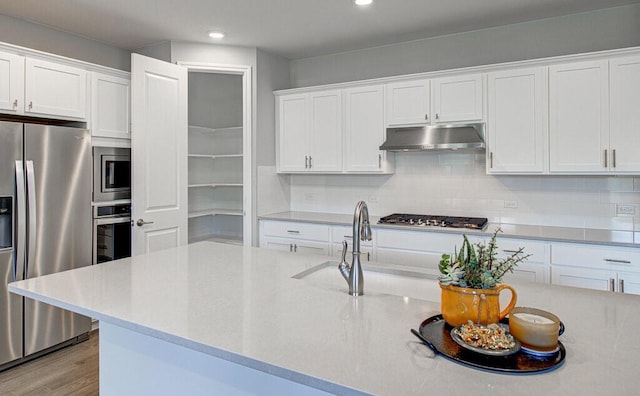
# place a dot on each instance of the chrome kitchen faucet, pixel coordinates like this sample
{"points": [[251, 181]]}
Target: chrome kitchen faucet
{"points": [[361, 231]]}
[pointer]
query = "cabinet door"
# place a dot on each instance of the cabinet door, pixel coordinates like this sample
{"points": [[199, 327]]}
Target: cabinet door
{"points": [[407, 102], [628, 282], [579, 117], [458, 98], [516, 130], [110, 104], [292, 133], [11, 83], [57, 90], [596, 279], [325, 154], [364, 129], [625, 117]]}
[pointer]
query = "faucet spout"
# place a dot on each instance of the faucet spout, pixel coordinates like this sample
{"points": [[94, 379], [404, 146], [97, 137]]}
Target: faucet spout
{"points": [[361, 231]]}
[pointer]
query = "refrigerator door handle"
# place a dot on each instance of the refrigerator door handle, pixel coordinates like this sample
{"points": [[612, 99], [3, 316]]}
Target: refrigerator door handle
{"points": [[21, 237], [31, 197]]}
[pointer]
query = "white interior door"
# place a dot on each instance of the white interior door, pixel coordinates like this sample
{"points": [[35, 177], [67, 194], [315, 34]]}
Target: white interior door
{"points": [[158, 154]]}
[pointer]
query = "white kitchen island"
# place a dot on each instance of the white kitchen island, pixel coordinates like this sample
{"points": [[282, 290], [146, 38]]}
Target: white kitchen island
{"points": [[211, 318]]}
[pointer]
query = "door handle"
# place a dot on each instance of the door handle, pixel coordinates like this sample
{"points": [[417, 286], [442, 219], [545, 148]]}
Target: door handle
{"points": [[21, 220], [33, 216], [141, 222]]}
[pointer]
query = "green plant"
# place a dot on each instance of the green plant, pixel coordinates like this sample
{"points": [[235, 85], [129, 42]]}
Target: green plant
{"points": [[477, 265]]}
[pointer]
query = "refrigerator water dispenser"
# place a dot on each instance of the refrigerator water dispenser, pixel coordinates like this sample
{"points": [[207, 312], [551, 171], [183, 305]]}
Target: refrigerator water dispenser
{"points": [[6, 217]]}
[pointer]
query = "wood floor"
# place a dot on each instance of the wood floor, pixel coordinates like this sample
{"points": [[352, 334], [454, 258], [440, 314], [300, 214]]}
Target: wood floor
{"points": [[70, 371]]}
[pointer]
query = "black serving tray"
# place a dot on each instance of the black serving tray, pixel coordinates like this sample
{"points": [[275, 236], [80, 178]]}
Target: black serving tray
{"points": [[435, 332]]}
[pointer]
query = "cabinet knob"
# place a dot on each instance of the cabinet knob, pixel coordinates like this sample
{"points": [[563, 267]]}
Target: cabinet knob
{"points": [[437, 116]]}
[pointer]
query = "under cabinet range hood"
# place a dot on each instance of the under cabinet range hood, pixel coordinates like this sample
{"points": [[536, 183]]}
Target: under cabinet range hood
{"points": [[435, 137]]}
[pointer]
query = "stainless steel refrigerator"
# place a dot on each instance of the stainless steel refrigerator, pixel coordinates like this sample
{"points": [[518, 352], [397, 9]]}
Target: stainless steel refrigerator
{"points": [[45, 227]]}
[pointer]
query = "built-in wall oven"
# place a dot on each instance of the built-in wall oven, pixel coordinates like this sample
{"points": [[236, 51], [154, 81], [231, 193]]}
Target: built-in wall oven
{"points": [[111, 173], [111, 232]]}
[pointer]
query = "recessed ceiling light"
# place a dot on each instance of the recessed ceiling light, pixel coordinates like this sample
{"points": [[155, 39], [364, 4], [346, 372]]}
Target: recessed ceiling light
{"points": [[216, 35], [363, 2]]}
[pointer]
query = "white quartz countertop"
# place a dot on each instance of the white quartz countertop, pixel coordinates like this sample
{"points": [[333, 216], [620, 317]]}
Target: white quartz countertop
{"points": [[547, 233], [241, 304]]}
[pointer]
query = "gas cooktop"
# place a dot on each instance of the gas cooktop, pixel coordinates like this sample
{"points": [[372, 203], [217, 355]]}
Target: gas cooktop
{"points": [[419, 220]]}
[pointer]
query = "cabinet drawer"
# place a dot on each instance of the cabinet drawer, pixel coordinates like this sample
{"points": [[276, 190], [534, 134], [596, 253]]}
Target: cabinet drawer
{"points": [[295, 230], [596, 256], [340, 233], [422, 241], [537, 250]]}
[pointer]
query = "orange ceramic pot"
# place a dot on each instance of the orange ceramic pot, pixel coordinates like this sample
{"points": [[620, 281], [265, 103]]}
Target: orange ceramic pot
{"points": [[463, 304]]}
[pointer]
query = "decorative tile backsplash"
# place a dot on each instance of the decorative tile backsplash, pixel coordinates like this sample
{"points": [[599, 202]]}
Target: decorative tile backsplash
{"points": [[456, 184]]}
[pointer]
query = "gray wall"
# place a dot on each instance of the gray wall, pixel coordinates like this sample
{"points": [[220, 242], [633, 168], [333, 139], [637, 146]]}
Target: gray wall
{"points": [[161, 51], [273, 74], [215, 100], [30, 35], [590, 31]]}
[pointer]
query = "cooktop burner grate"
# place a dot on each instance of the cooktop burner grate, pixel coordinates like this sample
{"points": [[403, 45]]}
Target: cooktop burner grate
{"points": [[420, 220]]}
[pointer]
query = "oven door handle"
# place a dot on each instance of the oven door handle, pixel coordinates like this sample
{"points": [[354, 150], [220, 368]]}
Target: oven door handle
{"points": [[111, 220]]}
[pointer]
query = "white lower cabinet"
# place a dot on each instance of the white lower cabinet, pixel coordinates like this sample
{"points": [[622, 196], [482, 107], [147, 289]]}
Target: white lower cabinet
{"points": [[343, 233], [295, 237], [596, 267], [415, 248], [535, 268]]}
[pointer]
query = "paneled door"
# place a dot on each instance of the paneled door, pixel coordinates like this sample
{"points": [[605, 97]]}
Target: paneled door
{"points": [[158, 154]]}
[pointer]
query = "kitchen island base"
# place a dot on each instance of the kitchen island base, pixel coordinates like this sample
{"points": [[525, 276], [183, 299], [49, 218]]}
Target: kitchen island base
{"points": [[132, 363]]}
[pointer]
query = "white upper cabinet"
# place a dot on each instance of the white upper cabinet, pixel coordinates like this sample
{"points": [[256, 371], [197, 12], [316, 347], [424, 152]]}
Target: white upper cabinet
{"points": [[110, 106], [292, 133], [516, 121], [310, 132], [364, 130], [325, 132], [408, 102], [11, 83], [440, 100], [457, 98], [625, 114], [579, 117], [53, 89]]}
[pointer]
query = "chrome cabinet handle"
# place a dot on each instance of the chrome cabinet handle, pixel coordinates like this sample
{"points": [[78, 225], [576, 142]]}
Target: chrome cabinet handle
{"points": [[293, 231], [295, 248], [617, 261], [613, 157], [426, 117], [612, 284], [30, 104], [621, 285], [310, 165], [368, 256], [15, 104], [509, 251], [491, 160], [379, 160], [306, 162], [437, 116], [606, 161], [141, 222]]}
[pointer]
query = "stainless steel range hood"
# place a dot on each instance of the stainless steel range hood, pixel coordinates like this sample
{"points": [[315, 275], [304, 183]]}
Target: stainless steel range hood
{"points": [[437, 137]]}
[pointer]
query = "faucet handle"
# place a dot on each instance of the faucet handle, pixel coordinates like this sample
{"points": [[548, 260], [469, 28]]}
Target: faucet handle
{"points": [[344, 251]]}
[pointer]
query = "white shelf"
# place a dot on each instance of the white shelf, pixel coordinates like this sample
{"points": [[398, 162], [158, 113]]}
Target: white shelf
{"points": [[214, 156], [217, 238], [214, 185], [200, 129], [214, 212]]}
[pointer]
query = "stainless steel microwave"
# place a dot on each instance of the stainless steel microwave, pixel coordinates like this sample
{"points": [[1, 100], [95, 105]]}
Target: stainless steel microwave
{"points": [[111, 173]]}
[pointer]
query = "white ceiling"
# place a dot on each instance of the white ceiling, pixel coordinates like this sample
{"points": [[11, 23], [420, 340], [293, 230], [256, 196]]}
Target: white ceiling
{"points": [[291, 28]]}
